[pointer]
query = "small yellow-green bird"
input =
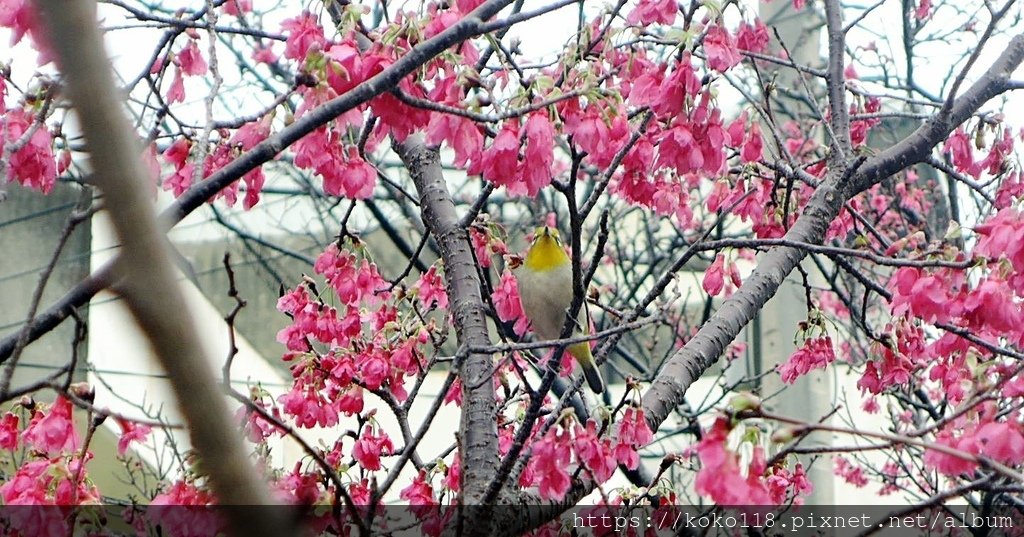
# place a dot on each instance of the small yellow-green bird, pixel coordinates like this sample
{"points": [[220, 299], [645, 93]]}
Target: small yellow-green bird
{"points": [[545, 289]]}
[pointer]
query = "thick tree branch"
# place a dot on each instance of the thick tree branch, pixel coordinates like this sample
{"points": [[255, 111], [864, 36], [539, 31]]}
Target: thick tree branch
{"points": [[478, 431], [148, 281]]}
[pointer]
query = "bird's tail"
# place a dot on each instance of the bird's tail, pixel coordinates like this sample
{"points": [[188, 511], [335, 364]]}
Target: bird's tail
{"points": [[581, 351]]}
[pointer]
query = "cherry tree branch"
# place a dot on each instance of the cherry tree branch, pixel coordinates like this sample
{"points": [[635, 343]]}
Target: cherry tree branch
{"points": [[478, 430]]}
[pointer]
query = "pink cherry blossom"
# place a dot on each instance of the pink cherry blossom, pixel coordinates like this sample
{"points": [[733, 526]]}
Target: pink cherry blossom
{"points": [[549, 462], [507, 305], [714, 276], [633, 433], [538, 156], [302, 33], [53, 432], [190, 60], [9, 431], [959, 147], [851, 473], [784, 485], [721, 477], [237, 7], [397, 118], [816, 353], [431, 290], [653, 11], [350, 403], [374, 368], [130, 432], [461, 134], [33, 164], [1002, 441], [720, 49], [179, 511], [499, 163], [753, 37], [254, 426], [595, 453], [453, 477], [419, 492], [923, 9], [371, 447]]}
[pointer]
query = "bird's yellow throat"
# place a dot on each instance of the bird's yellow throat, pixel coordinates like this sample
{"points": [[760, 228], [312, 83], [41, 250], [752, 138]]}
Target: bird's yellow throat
{"points": [[545, 254]]}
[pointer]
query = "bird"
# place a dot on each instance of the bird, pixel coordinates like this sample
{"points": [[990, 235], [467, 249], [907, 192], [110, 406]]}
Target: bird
{"points": [[545, 291]]}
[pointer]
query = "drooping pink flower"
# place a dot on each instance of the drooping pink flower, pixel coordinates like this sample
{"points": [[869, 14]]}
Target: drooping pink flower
{"points": [[1003, 236], [245, 138], [549, 463], [752, 37], [923, 9], [351, 401], [190, 60], [131, 432], [255, 428], [431, 290], [371, 447], [33, 164], [1002, 441], [538, 157], [419, 492], [360, 492], [20, 17], [9, 431], [784, 485], [989, 307], [720, 49], [299, 488], [676, 88], [453, 477], [721, 476], [653, 11], [237, 7], [374, 368], [595, 453], [816, 353], [499, 163], [461, 134], [53, 432], [952, 464], [714, 276], [308, 406], [352, 280], [176, 93], [264, 54], [633, 433], [179, 511], [754, 146], [507, 304], [923, 295], [679, 149], [349, 176], [465, 6], [959, 147], [302, 33], [395, 116], [850, 473]]}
